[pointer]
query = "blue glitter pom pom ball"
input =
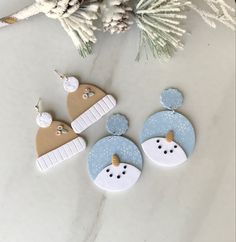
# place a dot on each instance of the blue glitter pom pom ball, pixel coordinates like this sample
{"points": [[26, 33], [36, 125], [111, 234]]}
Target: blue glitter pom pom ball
{"points": [[117, 124], [171, 98]]}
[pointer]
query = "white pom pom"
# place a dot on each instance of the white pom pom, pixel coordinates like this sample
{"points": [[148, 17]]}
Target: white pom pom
{"points": [[44, 119], [70, 84]]}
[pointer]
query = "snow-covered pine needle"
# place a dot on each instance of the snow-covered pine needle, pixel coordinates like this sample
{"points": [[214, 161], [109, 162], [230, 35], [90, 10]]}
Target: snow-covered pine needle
{"points": [[160, 22], [80, 26], [219, 11]]}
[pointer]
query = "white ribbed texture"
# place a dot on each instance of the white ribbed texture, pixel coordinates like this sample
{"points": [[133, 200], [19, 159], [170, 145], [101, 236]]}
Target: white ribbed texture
{"points": [[64, 152], [93, 114]]}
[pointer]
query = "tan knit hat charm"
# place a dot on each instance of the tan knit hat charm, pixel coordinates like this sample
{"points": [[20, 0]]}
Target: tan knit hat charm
{"points": [[86, 103], [55, 141]]}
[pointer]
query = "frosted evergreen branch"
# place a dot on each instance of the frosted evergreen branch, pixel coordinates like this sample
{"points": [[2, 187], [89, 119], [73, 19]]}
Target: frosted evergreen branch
{"points": [[219, 11], [160, 22], [80, 26]]}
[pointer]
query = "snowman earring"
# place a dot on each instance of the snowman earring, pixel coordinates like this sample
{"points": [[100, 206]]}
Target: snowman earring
{"points": [[114, 162], [55, 141], [168, 137], [86, 103]]}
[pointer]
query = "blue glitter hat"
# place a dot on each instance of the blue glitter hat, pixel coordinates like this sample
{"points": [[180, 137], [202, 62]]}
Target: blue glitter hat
{"points": [[101, 153]]}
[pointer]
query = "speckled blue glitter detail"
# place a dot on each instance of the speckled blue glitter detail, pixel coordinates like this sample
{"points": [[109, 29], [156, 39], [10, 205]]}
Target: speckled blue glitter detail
{"points": [[160, 123], [171, 98], [101, 154], [117, 124]]}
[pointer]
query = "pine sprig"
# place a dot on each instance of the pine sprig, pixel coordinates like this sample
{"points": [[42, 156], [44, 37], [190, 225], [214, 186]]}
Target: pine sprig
{"points": [[80, 26], [160, 22], [219, 11]]}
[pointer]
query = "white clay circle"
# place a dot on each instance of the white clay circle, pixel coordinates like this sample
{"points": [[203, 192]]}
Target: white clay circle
{"points": [[164, 153], [44, 119], [117, 178], [70, 84]]}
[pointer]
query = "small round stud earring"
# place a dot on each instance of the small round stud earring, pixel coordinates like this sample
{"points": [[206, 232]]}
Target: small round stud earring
{"points": [[43, 119], [55, 141], [70, 84]]}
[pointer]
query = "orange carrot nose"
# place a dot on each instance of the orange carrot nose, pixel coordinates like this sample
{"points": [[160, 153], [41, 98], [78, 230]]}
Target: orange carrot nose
{"points": [[115, 160], [170, 136]]}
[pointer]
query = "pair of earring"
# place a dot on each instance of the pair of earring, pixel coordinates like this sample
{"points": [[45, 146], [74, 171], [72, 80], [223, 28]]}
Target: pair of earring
{"points": [[114, 163], [167, 138], [57, 141]]}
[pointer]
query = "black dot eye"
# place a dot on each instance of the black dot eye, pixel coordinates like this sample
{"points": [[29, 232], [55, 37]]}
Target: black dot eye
{"points": [[158, 140], [165, 152], [171, 151], [175, 146], [125, 167], [159, 147], [123, 172], [118, 177], [111, 175], [107, 170]]}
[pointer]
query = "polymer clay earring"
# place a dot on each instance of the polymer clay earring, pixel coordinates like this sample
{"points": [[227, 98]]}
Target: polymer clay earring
{"points": [[55, 141], [86, 103], [114, 162], [168, 137]]}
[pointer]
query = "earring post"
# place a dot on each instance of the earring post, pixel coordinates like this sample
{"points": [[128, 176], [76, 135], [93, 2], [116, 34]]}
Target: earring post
{"points": [[37, 108], [62, 76]]}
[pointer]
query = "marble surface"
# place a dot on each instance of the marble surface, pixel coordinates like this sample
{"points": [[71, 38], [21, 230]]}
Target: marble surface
{"points": [[191, 203]]}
